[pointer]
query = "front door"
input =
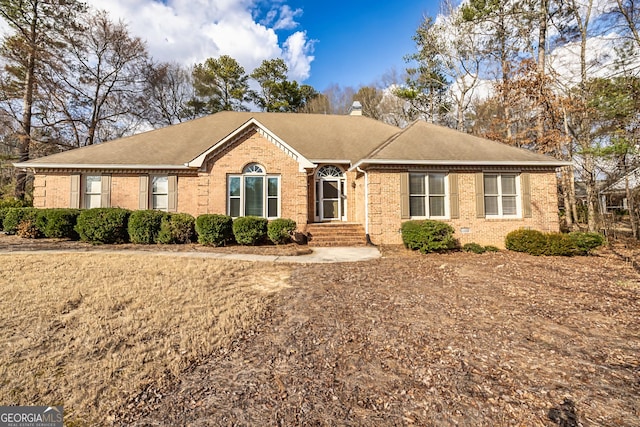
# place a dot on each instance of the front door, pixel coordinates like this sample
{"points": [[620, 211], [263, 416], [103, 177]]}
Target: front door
{"points": [[330, 194]]}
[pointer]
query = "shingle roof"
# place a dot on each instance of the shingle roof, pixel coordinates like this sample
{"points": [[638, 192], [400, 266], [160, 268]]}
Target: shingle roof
{"points": [[425, 142], [356, 139]]}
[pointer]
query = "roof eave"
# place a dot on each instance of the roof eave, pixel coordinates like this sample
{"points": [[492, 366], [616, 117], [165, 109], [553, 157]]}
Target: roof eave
{"points": [[27, 165], [535, 163]]}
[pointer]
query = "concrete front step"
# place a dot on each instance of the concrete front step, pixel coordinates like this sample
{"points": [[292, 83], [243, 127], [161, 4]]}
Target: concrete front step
{"points": [[336, 234]]}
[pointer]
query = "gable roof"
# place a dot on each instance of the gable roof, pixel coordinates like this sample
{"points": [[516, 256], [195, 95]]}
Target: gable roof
{"points": [[621, 184], [312, 138], [426, 143]]}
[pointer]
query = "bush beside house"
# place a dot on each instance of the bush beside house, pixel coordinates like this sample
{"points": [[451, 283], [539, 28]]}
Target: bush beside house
{"points": [[144, 226], [537, 243], [280, 230], [214, 229], [104, 225], [177, 228], [250, 230], [428, 236], [58, 223]]}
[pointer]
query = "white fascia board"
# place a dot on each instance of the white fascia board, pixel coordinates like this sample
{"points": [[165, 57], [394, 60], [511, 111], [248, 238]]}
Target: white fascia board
{"points": [[331, 161], [95, 166], [550, 163], [302, 161]]}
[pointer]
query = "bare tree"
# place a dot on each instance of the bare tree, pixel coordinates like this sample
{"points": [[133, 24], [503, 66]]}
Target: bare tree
{"points": [[168, 88], [37, 27], [103, 85]]}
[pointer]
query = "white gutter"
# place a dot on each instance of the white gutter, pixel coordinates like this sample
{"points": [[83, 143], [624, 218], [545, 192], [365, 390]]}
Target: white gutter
{"points": [[554, 163], [366, 202], [96, 166]]}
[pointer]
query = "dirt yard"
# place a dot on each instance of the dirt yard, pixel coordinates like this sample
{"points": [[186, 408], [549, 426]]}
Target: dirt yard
{"points": [[461, 339]]}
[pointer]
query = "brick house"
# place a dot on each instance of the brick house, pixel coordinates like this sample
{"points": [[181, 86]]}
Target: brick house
{"points": [[314, 169]]}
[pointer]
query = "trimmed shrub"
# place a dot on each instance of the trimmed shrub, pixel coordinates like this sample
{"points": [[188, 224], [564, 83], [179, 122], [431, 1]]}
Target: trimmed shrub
{"points": [[178, 228], [559, 244], [553, 244], [428, 236], [58, 223], [14, 216], [474, 247], [279, 230], [144, 226], [584, 243], [533, 242], [250, 230], [490, 248], [214, 229], [103, 225]]}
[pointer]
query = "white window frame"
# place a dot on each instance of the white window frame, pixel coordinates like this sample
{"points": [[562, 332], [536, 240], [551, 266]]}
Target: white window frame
{"points": [[86, 195], [500, 195], [255, 170], [157, 193], [426, 195]]}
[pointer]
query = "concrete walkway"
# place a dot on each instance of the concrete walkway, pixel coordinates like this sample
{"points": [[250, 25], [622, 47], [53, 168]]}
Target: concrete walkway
{"points": [[319, 255]]}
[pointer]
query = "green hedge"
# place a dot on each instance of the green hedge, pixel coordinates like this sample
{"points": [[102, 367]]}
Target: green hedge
{"points": [[586, 242], [279, 230], [533, 242], [144, 226], [250, 230], [214, 229], [14, 216], [58, 223], [428, 236], [552, 244], [103, 225], [177, 228]]}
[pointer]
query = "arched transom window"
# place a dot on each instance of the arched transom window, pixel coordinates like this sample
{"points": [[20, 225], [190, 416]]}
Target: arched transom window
{"points": [[329, 171], [253, 193], [253, 168]]}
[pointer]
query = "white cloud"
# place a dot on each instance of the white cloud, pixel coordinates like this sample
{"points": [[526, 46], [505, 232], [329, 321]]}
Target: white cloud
{"points": [[287, 18], [190, 31], [298, 55]]}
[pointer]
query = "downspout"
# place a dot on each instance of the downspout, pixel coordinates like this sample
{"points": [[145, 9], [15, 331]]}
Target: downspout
{"points": [[366, 205]]}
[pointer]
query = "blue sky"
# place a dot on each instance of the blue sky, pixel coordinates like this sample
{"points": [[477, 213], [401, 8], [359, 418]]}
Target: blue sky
{"points": [[349, 42], [356, 42]]}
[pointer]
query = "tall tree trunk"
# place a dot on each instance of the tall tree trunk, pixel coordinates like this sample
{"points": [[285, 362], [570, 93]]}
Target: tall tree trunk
{"points": [[542, 57], [630, 203], [27, 106], [584, 139]]}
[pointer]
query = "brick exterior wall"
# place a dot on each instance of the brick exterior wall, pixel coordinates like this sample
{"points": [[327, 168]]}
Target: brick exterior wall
{"points": [[52, 191], [254, 148], [125, 191], [385, 215], [206, 192]]}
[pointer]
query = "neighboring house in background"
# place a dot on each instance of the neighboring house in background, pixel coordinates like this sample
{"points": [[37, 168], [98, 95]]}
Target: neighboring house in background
{"points": [[614, 196], [312, 169]]}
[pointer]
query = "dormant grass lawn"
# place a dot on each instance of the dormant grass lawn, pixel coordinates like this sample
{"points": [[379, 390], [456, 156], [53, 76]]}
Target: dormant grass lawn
{"points": [[89, 331]]}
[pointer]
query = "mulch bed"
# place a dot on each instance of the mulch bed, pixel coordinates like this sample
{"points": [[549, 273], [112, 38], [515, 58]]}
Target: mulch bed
{"points": [[15, 243]]}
